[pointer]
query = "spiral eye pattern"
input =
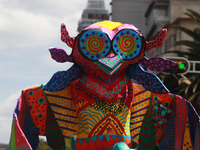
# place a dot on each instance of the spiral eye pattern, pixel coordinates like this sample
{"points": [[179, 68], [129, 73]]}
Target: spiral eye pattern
{"points": [[127, 44], [94, 44]]}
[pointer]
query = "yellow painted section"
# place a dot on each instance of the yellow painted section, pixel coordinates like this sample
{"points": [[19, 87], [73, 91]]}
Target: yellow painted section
{"points": [[65, 117], [187, 145], [108, 24], [137, 112]]}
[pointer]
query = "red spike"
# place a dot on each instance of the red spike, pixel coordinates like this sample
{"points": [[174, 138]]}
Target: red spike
{"points": [[65, 36], [157, 42]]}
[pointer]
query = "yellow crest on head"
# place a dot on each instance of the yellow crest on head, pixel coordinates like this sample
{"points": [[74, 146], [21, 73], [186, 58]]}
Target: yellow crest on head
{"points": [[108, 24]]}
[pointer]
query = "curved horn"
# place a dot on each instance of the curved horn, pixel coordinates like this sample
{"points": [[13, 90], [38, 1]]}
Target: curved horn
{"points": [[65, 36], [158, 41], [158, 63], [60, 55]]}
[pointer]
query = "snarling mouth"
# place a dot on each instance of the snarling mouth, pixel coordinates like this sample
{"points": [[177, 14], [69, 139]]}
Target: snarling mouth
{"points": [[110, 65]]}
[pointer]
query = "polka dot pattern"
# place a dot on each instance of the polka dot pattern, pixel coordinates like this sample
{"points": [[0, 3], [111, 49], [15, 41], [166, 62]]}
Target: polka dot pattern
{"points": [[94, 44], [158, 63], [64, 109], [65, 36], [157, 42], [166, 101], [127, 44], [139, 107], [36, 105]]}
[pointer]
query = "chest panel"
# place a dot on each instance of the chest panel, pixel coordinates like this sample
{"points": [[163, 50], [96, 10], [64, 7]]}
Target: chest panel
{"points": [[102, 112]]}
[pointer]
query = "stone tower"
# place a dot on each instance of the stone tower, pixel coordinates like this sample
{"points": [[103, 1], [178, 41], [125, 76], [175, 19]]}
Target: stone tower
{"points": [[94, 12]]}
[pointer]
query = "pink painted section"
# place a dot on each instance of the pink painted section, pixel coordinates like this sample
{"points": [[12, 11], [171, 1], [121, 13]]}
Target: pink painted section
{"points": [[112, 33]]}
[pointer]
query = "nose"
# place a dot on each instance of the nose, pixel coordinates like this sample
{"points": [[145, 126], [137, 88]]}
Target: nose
{"points": [[110, 64], [111, 54]]}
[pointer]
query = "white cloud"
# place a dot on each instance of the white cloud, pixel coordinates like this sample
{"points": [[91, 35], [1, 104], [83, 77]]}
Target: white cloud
{"points": [[36, 23], [6, 110], [24, 29], [27, 29]]}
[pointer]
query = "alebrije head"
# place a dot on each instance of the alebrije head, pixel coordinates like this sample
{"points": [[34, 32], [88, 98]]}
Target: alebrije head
{"points": [[106, 47]]}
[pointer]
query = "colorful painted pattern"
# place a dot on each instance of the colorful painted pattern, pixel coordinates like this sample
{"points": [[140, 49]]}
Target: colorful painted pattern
{"points": [[158, 41], [180, 121], [110, 65], [55, 138], [167, 139], [96, 129], [17, 134], [96, 100], [139, 107], [61, 79], [101, 142], [109, 94], [187, 144], [24, 133], [36, 105], [64, 110], [60, 55], [127, 44], [149, 80], [99, 116], [94, 44], [158, 63], [65, 36]]}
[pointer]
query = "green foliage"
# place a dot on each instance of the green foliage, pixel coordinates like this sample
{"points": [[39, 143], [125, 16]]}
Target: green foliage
{"points": [[189, 89], [44, 146]]}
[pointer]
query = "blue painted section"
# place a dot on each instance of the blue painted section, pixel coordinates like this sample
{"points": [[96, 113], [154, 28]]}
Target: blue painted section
{"points": [[148, 80], [61, 79]]}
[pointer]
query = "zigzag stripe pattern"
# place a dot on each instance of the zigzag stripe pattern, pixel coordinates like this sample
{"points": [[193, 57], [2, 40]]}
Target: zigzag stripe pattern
{"points": [[89, 117], [147, 137], [101, 142], [103, 91], [107, 81], [24, 147], [54, 135], [124, 119], [139, 107]]}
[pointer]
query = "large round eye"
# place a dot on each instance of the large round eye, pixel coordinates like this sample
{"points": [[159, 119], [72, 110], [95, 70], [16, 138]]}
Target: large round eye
{"points": [[127, 44], [94, 44]]}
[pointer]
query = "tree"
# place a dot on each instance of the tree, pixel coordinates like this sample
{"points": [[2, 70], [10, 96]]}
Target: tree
{"points": [[190, 89]]}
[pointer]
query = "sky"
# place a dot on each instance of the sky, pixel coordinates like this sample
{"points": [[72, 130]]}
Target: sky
{"points": [[27, 29]]}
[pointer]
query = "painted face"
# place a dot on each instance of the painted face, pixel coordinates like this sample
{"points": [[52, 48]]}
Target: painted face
{"points": [[108, 47]]}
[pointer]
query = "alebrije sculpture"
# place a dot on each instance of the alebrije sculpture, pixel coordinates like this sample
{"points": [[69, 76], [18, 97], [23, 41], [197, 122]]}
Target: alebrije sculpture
{"points": [[96, 100]]}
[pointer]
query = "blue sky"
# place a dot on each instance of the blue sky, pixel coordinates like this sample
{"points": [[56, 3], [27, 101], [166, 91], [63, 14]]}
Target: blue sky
{"points": [[27, 29]]}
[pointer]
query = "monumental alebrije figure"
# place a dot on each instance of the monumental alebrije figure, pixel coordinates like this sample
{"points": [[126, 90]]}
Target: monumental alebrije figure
{"points": [[96, 100]]}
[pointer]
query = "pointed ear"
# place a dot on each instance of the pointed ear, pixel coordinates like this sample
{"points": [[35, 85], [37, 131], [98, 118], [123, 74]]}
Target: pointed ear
{"points": [[157, 42], [65, 36], [60, 55]]}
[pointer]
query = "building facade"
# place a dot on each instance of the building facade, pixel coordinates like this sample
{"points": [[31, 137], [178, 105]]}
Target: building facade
{"points": [[131, 12], [151, 16], [94, 12], [164, 14]]}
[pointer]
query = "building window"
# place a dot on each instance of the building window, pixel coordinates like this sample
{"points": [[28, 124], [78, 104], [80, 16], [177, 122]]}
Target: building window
{"points": [[105, 17], [172, 40], [91, 16], [162, 11]]}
